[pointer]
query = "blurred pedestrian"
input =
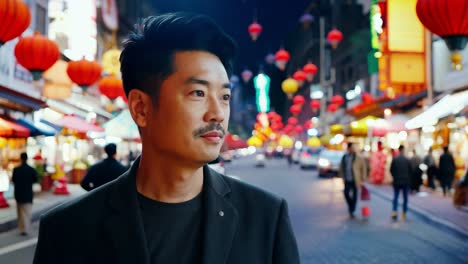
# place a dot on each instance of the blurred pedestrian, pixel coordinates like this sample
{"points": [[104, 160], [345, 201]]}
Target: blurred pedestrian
{"points": [[401, 171], [446, 170], [431, 168], [378, 162], [104, 171], [460, 197], [416, 172], [170, 207], [24, 176], [353, 171]]}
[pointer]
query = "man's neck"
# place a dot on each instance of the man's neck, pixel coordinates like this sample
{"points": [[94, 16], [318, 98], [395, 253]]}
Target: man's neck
{"points": [[165, 180]]}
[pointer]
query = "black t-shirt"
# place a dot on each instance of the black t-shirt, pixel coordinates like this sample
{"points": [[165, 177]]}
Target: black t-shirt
{"points": [[173, 231]]}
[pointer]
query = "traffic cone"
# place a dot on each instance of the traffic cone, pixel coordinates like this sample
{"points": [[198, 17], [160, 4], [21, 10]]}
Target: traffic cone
{"points": [[61, 187], [3, 201]]}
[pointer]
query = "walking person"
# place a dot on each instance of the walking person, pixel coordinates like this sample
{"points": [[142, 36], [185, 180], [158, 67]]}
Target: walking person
{"points": [[170, 207], [416, 172], [353, 171], [24, 176], [446, 170], [104, 171], [401, 171], [431, 168]]}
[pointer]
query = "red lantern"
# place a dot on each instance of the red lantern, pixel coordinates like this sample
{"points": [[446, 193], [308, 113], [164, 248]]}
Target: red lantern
{"points": [[292, 121], [308, 124], [332, 108], [446, 19], [367, 98], [298, 100], [111, 87], [254, 30], [337, 99], [334, 37], [282, 57], [84, 73], [300, 77], [36, 53], [310, 70], [14, 18], [295, 109], [298, 129], [275, 126], [315, 104], [246, 75]]}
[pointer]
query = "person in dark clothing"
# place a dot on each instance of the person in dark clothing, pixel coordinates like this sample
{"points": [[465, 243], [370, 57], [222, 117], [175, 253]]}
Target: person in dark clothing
{"points": [[416, 172], [446, 170], [170, 207], [401, 171], [104, 171], [24, 176], [431, 169]]}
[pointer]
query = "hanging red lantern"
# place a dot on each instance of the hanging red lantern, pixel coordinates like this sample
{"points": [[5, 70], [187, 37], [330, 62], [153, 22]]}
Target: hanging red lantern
{"points": [[275, 126], [308, 124], [254, 30], [298, 129], [36, 53], [111, 87], [84, 73], [310, 70], [292, 121], [300, 77], [14, 18], [446, 19], [334, 37], [367, 98], [282, 57], [315, 104], [295, 109], [332, 108], [298, 100], [246, 75], [338, 100]]}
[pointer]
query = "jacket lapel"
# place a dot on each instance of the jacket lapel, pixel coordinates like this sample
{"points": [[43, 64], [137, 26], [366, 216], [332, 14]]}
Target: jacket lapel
{"points": [[124, 226], [220, 219]]}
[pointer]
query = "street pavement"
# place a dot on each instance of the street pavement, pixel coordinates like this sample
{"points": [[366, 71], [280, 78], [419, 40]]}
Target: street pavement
{"points": [[324, 232]]}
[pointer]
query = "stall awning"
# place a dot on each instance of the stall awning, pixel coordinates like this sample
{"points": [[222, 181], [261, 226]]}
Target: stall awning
{"points": [[13, 130], [19, 102], [449, 104], [122, 126], [78, 124], [37, 128]]}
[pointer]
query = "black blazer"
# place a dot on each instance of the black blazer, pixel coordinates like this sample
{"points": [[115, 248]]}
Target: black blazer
{"points": [[242, 224], [24, 176]]}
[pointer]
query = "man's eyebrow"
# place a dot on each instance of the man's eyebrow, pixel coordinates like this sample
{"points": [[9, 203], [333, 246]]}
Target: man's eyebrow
{"points": [[193, 80]]}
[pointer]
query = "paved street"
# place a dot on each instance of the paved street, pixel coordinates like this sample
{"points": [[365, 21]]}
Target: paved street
{"points": [[320, 220]]}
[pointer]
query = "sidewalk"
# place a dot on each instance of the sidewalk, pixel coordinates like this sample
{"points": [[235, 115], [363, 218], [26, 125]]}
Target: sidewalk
{"points": [[43, 201], [430, 205]]}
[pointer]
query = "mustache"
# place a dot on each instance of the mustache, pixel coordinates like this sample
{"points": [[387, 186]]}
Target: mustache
{"points": [[208, 128]]}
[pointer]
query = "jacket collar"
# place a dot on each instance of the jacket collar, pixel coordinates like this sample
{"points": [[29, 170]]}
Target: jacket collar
{"points": [[125, 223]]}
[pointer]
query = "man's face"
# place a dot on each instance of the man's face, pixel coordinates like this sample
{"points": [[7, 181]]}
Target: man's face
{"points": [[191, 117], [351, 149]]}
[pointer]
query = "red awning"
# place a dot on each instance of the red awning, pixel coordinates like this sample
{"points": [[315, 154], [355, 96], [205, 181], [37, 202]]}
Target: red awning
{"points": [[12, 130], [78, 124]]}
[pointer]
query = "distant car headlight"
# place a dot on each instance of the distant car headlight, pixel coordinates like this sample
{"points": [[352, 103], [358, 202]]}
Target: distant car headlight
{"points": [[324, 162]]}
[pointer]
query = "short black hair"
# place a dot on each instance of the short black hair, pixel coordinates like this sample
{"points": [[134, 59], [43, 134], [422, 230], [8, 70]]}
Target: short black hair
{"points": [[110, 149], [446, 148], [147, 56], [24, 156], [350, 145], [401, 148]]}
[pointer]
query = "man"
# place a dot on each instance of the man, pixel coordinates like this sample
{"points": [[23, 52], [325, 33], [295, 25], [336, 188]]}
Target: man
{"points": [[104, 171], [170, 207], [431, 168], [24, 176], [401, 171], [353, 170], [416, 172], [446, 170]]}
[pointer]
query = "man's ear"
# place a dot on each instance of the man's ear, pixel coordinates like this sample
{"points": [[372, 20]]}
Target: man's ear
{"points": [[140, 105]]}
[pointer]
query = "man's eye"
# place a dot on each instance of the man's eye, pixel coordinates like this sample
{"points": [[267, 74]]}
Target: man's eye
{"points": [[198, 93], [227, 97]]}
